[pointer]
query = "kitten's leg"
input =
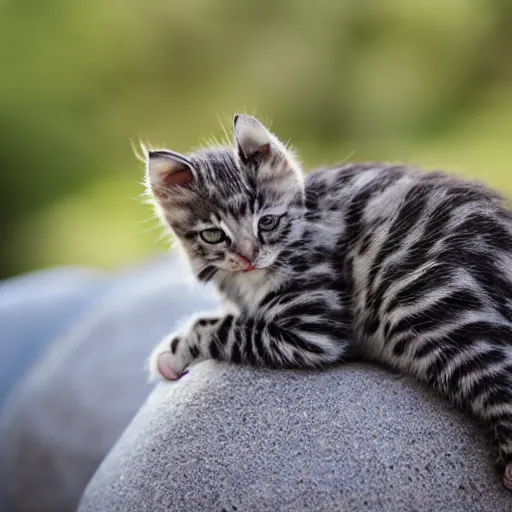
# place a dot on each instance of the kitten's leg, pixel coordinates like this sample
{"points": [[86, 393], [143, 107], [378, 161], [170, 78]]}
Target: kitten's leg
{"points": [[507, 478], [501, 423], [284, 343], [489, 397], [459, 344], [477, 375], [291, 329]]}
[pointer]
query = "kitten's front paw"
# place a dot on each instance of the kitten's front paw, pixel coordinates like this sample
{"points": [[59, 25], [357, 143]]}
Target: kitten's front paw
{"points": [[507, 477], [170, 359]]}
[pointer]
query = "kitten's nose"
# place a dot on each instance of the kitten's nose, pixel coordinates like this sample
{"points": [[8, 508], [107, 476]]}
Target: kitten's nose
{"points": [[247, 250]]}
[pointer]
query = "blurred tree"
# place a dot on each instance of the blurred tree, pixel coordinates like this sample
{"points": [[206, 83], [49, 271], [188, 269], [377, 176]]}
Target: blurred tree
{"points": [[427, 80]]}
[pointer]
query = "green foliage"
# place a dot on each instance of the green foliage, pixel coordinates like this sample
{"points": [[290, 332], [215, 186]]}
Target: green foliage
{"points": [[426, 82]]}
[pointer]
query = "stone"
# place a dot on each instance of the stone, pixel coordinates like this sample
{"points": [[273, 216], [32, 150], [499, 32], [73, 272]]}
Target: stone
{"points": [[229, 438], [35, 308], [65, 415]]}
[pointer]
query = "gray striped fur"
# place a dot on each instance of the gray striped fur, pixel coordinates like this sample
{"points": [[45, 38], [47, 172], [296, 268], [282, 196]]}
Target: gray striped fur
{"points": [[382, 262]]}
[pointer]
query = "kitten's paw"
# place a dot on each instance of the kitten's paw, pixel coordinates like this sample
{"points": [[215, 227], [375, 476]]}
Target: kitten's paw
{"points": [[167, 367], [170, 359], [507, 477]]}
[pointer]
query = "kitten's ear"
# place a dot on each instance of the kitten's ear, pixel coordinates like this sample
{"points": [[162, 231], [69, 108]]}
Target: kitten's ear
{"points": [[167, 170], [252, 139]]}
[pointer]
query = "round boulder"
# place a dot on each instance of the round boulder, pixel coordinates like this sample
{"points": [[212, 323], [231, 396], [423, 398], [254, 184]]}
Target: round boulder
{"points": [[228, 438]]}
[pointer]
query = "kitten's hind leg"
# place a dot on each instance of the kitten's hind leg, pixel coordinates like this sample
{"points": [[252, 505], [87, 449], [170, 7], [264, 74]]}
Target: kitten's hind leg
{"points": [[502, 434], [490, 399], [507, 479], [476, 374]]}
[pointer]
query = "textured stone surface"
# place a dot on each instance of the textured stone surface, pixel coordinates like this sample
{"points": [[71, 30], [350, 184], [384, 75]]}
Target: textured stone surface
{"points": [[225, 438], [74, 403]]}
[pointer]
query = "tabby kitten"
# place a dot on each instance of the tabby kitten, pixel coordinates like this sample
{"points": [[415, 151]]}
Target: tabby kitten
{"points": [[384, 262]]}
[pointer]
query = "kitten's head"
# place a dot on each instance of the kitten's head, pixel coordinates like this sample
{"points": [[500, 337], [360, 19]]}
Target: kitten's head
{"points": [[232, 208]]}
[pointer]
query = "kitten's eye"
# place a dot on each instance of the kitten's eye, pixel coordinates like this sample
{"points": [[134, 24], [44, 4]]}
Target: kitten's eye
{"points": [[268, 222], [213, 236]]}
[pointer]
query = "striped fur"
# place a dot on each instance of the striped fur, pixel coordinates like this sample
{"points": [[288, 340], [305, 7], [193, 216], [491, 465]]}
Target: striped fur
{"points": [[387, 263]]}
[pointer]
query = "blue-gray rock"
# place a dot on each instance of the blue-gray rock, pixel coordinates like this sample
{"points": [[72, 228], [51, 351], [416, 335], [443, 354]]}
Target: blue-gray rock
{"points": [[227, 438], [35, 308], [65, 415]]}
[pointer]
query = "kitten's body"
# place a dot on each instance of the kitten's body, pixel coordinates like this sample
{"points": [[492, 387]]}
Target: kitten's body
{"points": [[409, 269]]}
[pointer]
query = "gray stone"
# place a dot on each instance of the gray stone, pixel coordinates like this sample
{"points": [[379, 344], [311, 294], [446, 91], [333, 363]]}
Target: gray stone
{"points": [[227, 438], [35, 308], [65, 415]]}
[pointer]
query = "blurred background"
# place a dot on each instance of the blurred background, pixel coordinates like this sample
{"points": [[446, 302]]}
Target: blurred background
{"points": [[426, 82]]}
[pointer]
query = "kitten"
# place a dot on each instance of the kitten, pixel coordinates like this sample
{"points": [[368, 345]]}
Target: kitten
{"points": [[387, 263]]}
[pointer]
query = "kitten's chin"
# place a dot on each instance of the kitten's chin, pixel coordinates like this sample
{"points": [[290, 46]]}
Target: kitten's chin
{"points": [[252, 270], [249, 272], [210, 272], [246, 270], [251, 276]]}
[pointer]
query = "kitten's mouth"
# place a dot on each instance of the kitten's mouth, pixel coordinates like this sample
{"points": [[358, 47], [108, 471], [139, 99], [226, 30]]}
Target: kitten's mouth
{"points": [[249, 268]]}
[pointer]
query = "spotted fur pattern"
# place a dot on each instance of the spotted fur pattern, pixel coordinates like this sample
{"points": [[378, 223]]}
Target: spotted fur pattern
{"points": [[384, 262]]}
